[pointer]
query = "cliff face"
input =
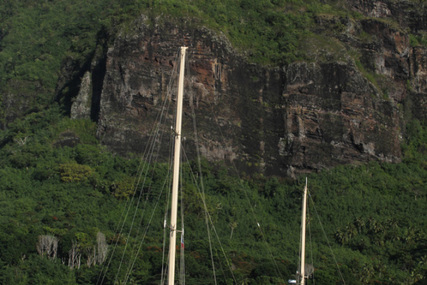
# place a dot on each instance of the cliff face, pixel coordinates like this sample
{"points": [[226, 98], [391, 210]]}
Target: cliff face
{"points": [[401, 68], [301, 117]]}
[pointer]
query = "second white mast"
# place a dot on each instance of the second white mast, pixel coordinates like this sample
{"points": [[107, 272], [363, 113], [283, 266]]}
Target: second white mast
{"points": [[176, 166]]}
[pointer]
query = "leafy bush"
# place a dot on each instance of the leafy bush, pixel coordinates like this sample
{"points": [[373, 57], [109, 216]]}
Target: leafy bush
{"points": [[124, 188], [73, 172]]}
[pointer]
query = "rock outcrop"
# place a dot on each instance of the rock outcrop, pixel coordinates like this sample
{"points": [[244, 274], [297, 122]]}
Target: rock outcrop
{"points": [[81, 107], [402, 67], [301, 117]]}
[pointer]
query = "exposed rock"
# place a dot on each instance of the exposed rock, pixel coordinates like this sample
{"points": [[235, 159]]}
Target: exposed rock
{"points": [[373, 8], [334, 116], [81, 107], [418, 64], [79, 84], [408, 14], [138, 73], [302, 117]]}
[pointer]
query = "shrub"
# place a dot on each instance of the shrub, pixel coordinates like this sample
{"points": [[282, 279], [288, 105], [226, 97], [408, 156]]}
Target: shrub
{"points": [[73, 172]]}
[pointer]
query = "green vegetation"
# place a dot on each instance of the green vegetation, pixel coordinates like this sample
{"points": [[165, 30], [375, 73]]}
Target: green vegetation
{"points": [[43, 40], [418, 40], [373, 215], [37, 37], [61, 192]]}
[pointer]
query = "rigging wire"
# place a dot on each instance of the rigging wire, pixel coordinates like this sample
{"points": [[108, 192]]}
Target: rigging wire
{"points": [[182, 247], [327, 240], [169, 95], [121, 226], [199, 165], [149, 160], [246, 195], [143, 171], [145, 206], [252, 209], [132, 225], [276, 267], [167, 205], [146, 159], [125, 213], [205, 208], [164, 269], [166, 184], [201, 190], [311, 241], [129, 270]]}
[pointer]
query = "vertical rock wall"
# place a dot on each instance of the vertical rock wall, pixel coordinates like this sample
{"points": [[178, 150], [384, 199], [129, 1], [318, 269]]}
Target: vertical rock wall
{"points": [[302, 117]]}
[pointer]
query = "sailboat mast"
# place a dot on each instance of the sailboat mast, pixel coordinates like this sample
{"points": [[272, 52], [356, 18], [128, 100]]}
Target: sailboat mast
{"points": [[303, 222], [176, 166]]}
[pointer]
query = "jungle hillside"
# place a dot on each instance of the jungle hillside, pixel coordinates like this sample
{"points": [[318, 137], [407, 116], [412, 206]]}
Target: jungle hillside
{"points": [[74, 212]]}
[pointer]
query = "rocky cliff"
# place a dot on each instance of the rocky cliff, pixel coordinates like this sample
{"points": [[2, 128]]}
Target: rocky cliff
{"points": [[345, 104]]}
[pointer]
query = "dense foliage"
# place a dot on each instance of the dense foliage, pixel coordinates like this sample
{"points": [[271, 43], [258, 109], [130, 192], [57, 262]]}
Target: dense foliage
{"points": [[37, 38], [57, 182]]}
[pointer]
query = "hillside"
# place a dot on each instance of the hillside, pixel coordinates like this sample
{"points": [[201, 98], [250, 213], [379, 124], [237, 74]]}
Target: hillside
{"points": [[73, 185]]}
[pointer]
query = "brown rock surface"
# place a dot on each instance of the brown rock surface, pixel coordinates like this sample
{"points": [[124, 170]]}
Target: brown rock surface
{"points": [[302, 117]]}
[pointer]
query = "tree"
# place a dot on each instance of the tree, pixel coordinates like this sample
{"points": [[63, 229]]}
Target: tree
{"points": [[47, 245]]}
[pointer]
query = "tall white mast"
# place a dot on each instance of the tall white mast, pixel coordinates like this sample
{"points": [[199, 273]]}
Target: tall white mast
{"points": [[177, 154], [304, 209]]}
